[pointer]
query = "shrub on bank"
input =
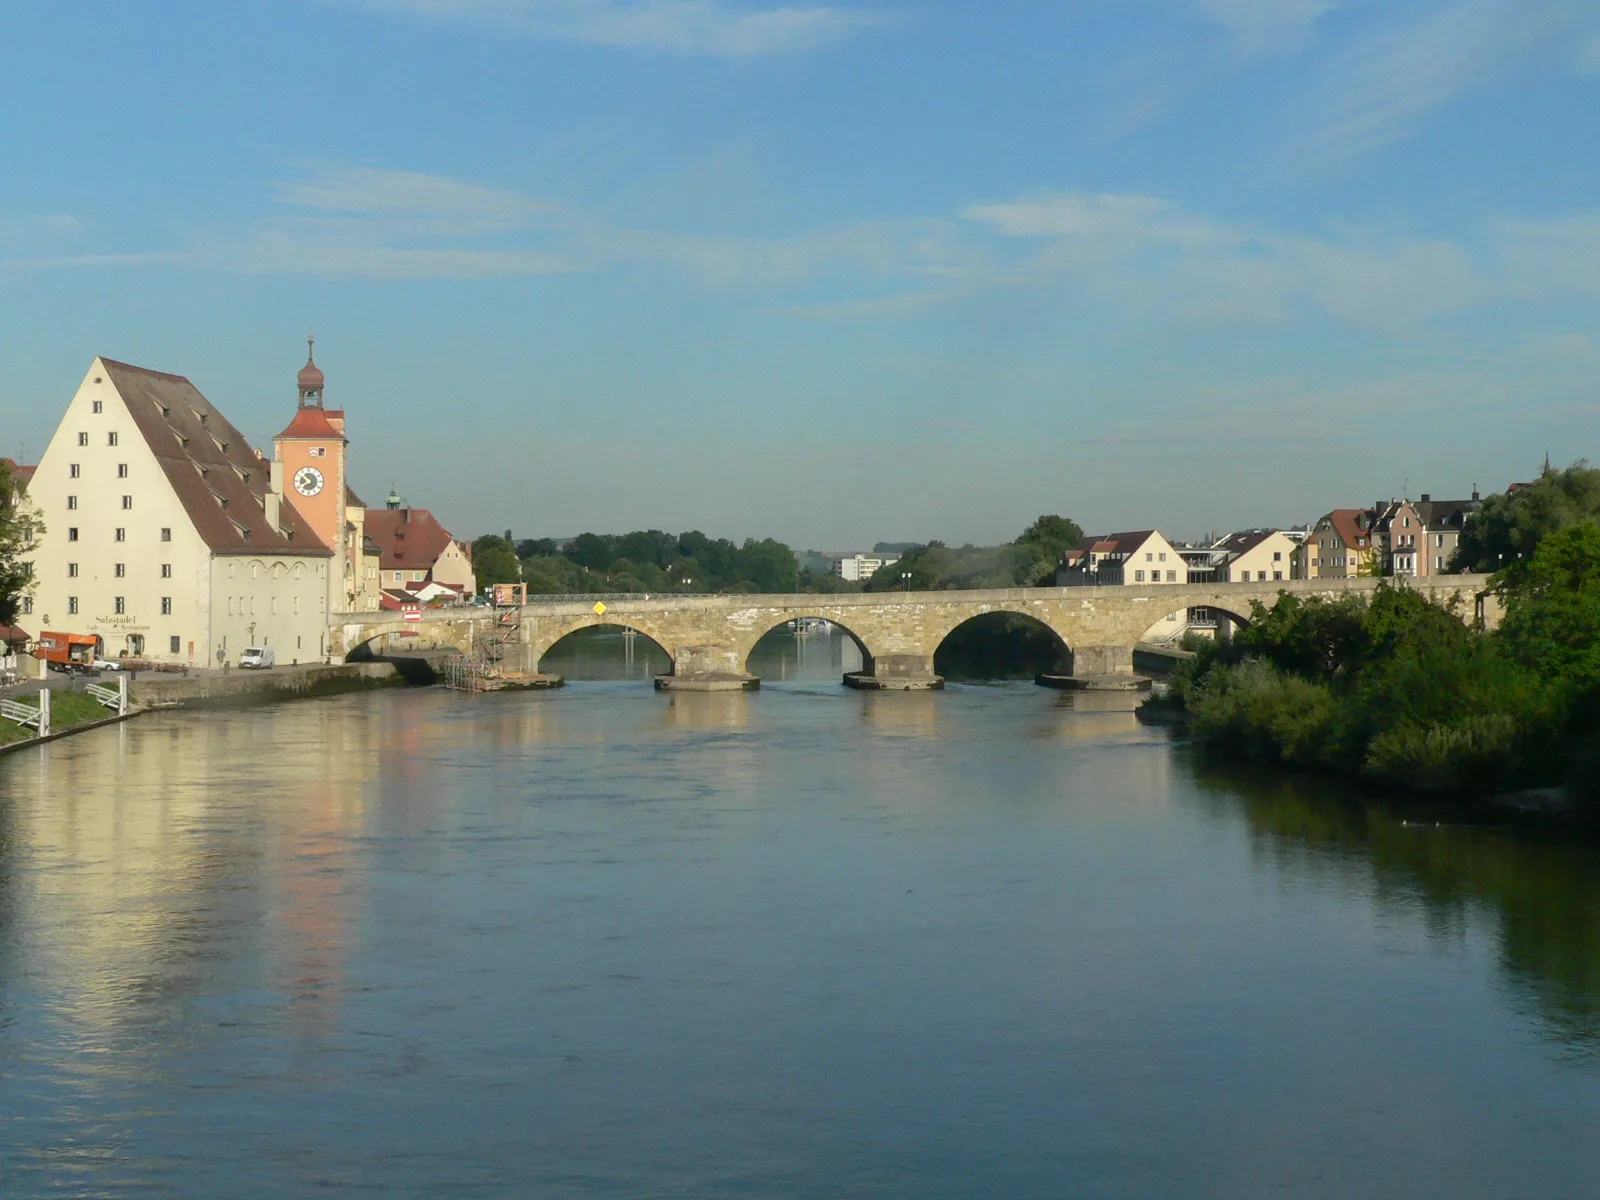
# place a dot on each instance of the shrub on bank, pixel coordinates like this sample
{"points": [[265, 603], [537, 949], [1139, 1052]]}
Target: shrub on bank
{"points": [[1403, 692]]}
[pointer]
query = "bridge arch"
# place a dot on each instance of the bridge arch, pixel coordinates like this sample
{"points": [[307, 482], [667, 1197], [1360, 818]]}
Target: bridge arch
{"points": [[1206, 619], [1001, 643], [601, 626], [747, 650]]}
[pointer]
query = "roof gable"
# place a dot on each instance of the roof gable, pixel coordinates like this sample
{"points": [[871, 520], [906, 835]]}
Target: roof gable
{"points": [[215, 473], [409, 539]]}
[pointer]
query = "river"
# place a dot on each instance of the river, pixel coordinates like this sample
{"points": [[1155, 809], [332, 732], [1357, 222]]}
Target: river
{"points": [[995, 941]]}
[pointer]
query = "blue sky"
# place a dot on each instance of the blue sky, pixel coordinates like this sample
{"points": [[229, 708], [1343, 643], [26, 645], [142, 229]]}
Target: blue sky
{"points": [[830, 272]]}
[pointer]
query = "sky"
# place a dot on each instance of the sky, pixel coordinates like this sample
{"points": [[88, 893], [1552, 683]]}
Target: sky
{"points": [[832, 272]]}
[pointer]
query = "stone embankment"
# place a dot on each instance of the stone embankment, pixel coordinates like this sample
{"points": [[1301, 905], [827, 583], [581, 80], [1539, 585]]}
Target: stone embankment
{"points": [[278, 683]]}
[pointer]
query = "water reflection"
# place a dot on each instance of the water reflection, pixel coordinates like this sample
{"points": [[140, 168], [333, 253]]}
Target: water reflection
{"points": [[1542, 897], [798, 942]]}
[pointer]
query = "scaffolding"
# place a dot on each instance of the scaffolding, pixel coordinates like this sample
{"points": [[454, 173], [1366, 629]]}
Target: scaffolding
{"points": [[484, 669]]}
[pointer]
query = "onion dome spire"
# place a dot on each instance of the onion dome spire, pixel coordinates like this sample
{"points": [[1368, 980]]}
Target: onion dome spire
{"points": [[310, 378]]}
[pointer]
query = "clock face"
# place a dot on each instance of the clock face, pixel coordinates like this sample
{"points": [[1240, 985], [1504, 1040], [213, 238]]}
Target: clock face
{"points": [[308, 481]]}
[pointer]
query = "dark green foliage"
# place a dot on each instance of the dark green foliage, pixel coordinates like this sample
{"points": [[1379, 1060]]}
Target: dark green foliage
{"points": [[652, 561], [1403, 692], [494, 560], [19, 530], [1030, 561], [1507, 529]]}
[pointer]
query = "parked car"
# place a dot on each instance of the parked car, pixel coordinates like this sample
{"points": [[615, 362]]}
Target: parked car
{"points": [[105, 664], [258, 657]]}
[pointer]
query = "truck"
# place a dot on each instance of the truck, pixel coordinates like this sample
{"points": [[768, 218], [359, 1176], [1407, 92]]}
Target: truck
{"points": [[258, 657], [68, 652]]}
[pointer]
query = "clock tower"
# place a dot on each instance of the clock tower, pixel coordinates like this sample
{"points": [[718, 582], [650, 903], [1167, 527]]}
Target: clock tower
{"points": [[308, 469]]}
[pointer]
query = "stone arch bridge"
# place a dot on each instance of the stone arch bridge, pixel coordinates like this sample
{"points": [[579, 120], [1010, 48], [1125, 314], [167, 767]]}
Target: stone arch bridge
{"points": [[709, 638]]}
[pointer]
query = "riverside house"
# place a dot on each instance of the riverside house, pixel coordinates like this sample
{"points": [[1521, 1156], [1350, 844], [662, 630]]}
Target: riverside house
{"points": [[1134, 559]]}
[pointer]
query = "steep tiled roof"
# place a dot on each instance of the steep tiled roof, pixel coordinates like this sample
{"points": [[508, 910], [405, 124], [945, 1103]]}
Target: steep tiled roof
{"points": [[411, 539], [1444, 515], [1345, 524], [312, 422], [13, 635], [1113, 543], [218, 478], [1244, 541]]}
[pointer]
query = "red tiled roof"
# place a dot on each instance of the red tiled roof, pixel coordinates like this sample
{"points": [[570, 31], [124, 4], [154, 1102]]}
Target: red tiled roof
{"points": [[216, 474], [410, 539], [1344, 522], [1115, 543], [313, 423], [13, 635]]}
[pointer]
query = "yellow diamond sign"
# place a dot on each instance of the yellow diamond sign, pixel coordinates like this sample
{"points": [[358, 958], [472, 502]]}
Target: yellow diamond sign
{"points": [[599, 608]]}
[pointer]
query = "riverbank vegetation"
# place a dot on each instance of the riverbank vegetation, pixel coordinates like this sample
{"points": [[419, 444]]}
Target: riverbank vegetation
{"points": [[1403, 692], [19, 530]]}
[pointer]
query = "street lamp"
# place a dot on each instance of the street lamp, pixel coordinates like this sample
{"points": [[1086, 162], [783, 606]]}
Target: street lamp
{"points": [[905, 581]]}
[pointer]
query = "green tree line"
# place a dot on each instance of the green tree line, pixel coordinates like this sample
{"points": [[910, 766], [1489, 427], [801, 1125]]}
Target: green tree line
{"points": [[19, 531], [653, 561], [1403, 692]]}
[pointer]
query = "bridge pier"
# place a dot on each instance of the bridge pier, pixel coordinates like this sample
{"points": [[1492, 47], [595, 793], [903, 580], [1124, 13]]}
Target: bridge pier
{"points": [[1098, 669], [896, 673], [708, 668]]}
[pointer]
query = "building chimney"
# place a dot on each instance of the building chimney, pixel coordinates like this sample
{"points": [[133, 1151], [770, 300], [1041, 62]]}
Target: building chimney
{"points": [[1474, 493], [1426, 498]]}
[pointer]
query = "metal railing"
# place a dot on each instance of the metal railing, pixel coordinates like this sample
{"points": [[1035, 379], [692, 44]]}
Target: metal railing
{"points": [[37, 719]]}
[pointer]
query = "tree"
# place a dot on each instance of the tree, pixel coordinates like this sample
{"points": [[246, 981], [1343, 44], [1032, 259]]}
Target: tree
{"points": [[1552, 621], [1048, 539], [494, 560], [1508, 527], [19, 533]]}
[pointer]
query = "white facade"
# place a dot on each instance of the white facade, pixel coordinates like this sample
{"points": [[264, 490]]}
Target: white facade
{"points": [[122, 557], [858, 568]]}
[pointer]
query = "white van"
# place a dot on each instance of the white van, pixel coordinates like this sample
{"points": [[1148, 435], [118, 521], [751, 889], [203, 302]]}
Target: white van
{"points": [[259, 657]]}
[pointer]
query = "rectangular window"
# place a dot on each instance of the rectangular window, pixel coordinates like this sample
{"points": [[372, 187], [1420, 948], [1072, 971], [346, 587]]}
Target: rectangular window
{"points": [[1149, 557], [72, 606], [177, 645], [119, 605], [127, 502], [27, 605], [1277, 574], [111, 439], [1163, 558], [319, 452], [72, 570], [1172, 577], [122, 470], [418, 576], [72, 533], [122, 534], [1138, 576], [83, 439], [120, 570], [166, 534], [99, 406], [230, 606], [166, 606], [1277, 556], [166, 570], [72, 502], [72, 470]]}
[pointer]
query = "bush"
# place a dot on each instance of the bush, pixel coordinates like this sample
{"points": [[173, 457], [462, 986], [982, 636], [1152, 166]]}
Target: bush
{"points": [[1471, 755], [1266, 713]]}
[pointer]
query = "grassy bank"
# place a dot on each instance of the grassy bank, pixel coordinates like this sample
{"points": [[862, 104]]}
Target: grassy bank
{"points": [[1402, 692], [67, 710]]}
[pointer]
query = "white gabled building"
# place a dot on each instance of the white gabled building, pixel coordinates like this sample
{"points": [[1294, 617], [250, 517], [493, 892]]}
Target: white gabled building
{"points": [[164, 534]]}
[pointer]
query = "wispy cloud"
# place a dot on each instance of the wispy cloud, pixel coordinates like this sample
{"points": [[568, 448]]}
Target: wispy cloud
{"points": [[715, 27], [1257, 28], [1418, 57], [1149, 255]]}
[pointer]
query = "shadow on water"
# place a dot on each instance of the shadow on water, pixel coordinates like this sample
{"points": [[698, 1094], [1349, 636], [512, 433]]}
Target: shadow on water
{"points": [[1540, 893]]}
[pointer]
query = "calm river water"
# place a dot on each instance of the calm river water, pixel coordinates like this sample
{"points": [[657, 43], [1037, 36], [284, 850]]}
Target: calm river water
{"points": [[995, 942]]}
